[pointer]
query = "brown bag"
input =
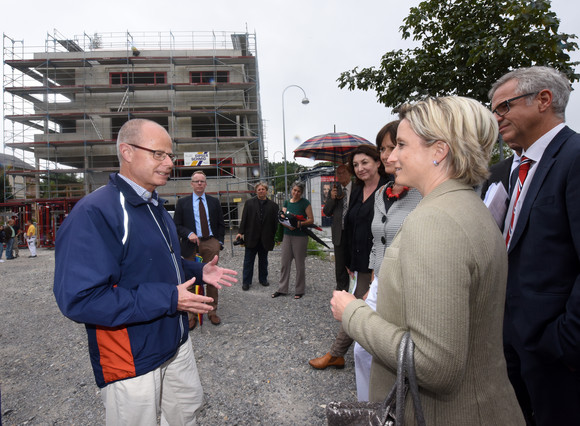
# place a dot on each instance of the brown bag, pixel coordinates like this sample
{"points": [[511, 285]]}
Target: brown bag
{"points": [[390, 412]]}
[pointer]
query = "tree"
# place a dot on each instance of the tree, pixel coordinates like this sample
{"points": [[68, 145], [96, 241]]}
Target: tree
{"points": [[465, 46], [276, 172]]}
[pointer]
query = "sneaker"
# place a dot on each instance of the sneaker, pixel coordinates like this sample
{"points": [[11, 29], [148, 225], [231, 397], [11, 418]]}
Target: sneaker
{"points": [[2, 260]]}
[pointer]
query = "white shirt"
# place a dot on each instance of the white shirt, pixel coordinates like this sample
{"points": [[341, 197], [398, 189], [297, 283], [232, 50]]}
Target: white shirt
{"points": [[534, 153]]}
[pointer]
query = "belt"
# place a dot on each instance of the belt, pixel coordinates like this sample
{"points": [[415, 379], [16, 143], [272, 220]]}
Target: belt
{"points": [[205, 238]]}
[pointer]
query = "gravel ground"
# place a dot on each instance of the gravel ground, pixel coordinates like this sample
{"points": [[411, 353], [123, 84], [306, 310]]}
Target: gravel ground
{"points": [[253, 367]]}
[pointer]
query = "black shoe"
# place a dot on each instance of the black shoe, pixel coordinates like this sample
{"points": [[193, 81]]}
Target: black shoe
{"points": [[277, 294], [266, 284], [245, 287], [32, 256]]}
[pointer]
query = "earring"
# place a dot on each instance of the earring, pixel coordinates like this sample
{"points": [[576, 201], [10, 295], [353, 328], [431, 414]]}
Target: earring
{"points": [[435, 163]]}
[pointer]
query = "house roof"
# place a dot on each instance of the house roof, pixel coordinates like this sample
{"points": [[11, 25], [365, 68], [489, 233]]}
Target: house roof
{"points": [[10, 160]]}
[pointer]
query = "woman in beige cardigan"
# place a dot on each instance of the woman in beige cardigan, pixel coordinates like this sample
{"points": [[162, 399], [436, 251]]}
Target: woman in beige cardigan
{"points": [[445, 274]]}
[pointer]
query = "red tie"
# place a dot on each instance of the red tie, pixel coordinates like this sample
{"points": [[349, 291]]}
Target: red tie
{"points": [[523, 173], [203, 219]]}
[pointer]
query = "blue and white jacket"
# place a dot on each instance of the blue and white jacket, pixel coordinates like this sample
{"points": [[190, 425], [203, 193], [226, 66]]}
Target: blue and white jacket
{"points": [[118, 263]]}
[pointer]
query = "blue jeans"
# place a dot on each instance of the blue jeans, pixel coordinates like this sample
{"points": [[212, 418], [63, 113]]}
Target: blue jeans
{"points": [[249, 258], [9, 245]]}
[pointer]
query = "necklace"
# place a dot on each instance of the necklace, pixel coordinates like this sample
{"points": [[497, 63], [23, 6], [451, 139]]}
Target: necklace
{"points": [[398, 196]]}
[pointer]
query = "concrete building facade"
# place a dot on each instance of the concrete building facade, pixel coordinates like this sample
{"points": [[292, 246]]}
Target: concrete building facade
{"points": [[64, 105]]}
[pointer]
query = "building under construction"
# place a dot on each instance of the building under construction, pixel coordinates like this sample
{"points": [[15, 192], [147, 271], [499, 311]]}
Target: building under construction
{"points": [[64, 104]]}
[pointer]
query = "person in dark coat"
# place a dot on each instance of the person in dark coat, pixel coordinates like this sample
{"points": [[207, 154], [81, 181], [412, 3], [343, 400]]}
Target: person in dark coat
{"points": [[200, 224], [257, 229], [542, 233], [503, 171], [336, 206]]}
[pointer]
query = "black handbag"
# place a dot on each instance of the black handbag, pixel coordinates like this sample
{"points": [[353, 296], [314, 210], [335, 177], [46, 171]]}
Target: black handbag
{"points": [[390, 412]]}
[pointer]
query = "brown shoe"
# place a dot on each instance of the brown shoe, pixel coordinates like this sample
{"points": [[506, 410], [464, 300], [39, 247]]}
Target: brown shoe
{"points": [[214, 319], [192, 321], [327, 361]]}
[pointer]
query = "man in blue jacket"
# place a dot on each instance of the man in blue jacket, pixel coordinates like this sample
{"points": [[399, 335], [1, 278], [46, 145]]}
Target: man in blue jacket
{"points": [[119, 271]]}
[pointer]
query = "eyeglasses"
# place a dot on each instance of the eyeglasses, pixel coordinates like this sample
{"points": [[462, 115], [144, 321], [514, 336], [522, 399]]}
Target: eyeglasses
{"points": [[504, 107], [198, 181], [158, 155]]}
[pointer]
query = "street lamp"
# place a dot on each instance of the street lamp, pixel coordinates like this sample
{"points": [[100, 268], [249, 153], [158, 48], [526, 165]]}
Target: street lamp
{"points": [[305, 101]]}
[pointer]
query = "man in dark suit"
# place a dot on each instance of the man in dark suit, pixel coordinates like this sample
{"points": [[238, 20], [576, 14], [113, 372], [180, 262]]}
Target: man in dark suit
{"points": [[542, 231], [501, 172], [335, 205], [258, 229], [192, 214]]}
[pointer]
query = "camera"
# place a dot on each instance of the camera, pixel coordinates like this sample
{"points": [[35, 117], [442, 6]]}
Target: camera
{"points": [[239, 241]]}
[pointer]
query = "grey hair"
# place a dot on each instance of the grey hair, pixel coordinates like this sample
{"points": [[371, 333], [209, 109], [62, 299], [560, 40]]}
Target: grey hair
{"points": [[261, 183], [300, 185], [536, 79]]}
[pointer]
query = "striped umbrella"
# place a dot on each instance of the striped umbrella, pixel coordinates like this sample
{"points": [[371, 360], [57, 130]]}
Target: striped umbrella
{"points": [[333, 147]]}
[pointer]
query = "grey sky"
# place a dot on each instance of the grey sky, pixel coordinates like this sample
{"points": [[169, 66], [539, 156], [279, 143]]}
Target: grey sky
{"points": [[306, 43]]}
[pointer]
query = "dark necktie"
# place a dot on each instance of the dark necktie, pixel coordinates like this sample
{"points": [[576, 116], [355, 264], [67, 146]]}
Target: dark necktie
{"points": [[203, 220], [344, 204], [522, 174]]}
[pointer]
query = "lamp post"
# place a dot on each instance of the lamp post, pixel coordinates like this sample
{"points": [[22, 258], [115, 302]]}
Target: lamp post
{"points": [[305, 101]]}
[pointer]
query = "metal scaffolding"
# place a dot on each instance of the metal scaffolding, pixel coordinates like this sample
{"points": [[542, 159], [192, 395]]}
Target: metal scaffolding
{"points": [[64, 103]]}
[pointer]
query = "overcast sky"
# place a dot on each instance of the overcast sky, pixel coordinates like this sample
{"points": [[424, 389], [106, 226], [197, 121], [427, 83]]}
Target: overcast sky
{"points": [[303, 42]]}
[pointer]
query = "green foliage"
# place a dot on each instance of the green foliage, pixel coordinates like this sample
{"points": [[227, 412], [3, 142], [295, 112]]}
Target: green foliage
{"points": [[5, 188], [315, 249], [276, 172], [52, 185], [495, 157], [465, 46]]}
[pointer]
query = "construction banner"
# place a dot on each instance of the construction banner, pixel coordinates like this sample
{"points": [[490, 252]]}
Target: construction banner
{"points": [[196, 159]]}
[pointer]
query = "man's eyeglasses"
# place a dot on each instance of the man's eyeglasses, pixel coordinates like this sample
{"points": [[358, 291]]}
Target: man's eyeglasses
{"points": [[158, 155], [198, 181], [504, 107]]}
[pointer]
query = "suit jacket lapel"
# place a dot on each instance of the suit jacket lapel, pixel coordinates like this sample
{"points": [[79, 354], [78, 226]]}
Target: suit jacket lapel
{"points": [[543, 167]]}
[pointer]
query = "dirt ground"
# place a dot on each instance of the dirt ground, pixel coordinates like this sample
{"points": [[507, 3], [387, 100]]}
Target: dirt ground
{"points": [[254, 366]]}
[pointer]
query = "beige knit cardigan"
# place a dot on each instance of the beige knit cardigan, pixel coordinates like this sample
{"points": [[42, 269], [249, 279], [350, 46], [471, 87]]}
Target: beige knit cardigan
{"points": [[443, 278]]}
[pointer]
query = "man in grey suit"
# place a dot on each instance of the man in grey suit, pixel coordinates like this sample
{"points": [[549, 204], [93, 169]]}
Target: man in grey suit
{"points": [[336, 207]]}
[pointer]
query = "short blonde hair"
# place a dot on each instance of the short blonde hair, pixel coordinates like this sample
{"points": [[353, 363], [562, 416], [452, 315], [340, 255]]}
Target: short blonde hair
{"points": [[468, 128]]}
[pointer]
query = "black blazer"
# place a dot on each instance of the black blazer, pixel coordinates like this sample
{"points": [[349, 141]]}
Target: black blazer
{"points": [[255, 231], [499, 172], [333, 208], [185, 222], [543, 288]]}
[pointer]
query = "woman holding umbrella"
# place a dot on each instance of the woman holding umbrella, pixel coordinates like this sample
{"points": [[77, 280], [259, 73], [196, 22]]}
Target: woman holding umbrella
{"points": [[365, 163]]}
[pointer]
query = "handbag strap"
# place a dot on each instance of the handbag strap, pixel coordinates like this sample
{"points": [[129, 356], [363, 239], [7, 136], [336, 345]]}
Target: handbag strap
{"points": [[398, 392], [410, 365], [406, 379], [401, 383]]}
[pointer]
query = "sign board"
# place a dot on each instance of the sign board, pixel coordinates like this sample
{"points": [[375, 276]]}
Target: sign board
{"points": [[196, 159]]}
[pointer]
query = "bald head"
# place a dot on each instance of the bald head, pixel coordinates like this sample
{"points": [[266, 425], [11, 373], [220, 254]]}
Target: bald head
{"points": [[145, 153], [133, 131]]}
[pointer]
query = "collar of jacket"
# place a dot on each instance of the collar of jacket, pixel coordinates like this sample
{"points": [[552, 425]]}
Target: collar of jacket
{"points": [[130, 195]]}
